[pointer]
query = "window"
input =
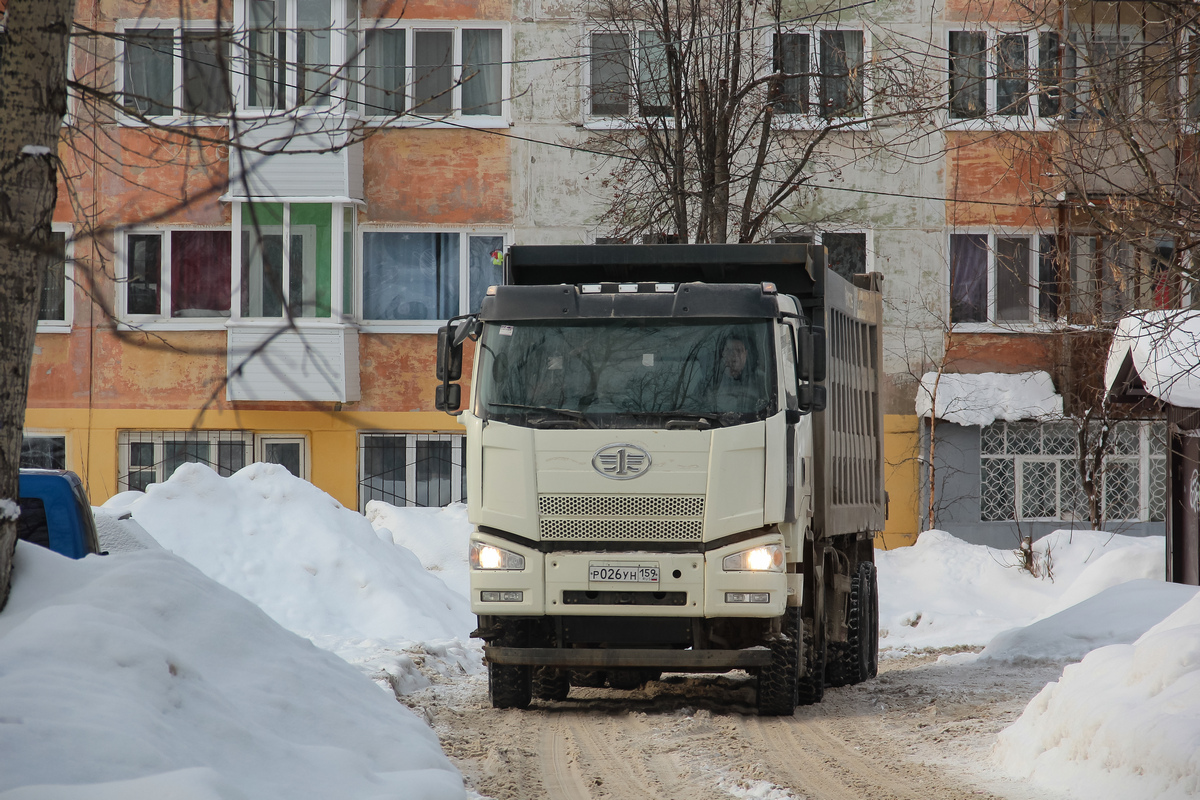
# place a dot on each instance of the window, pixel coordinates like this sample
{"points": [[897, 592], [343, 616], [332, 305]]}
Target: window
{"points": [[627, 75], [293, 51], [290, 452], [992, 73], [411, 469], [43, 452], [1110, 277], [286, 259], [1030, 471], [176, 71], [460, 71], [846, 252], [146, 457], [56, 307], [425, 275], [1002, 279], [177, 273], [838, 91]]}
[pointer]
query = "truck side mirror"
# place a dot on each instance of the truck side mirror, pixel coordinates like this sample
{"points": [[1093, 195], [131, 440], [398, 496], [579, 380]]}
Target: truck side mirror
{"points": [[818, 356], [449, 356], [819, 398], [448, 398]]}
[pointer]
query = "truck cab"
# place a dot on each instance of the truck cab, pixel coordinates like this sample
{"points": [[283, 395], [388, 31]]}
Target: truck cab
{"points": [[55, 512]]}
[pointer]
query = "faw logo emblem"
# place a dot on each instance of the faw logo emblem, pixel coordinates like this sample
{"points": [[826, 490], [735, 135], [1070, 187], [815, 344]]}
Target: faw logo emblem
{"points": [[621, 461]]}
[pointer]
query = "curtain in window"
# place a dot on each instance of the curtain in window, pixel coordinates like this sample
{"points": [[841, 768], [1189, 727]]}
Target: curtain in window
{"points": [[410, 275], [433, 77], [1012, 278], [384, 74], [314, 20], [841, 73], [654, 84], [54, 286], [611, 72], [311, 259], [434, 462], [266, 60], [1012, 75], [1049, 278], [968, 68], [201, 263], [791, 58], [483, 54], [968, 277], [143, 272], [206, 86], [1049, 95], [150, 71], [262, 260], [485, 260]]}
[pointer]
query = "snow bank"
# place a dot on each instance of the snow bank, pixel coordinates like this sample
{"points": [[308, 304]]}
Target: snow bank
{"points": [[439, 537], [134, 675], [314, 566], [1125, 722], [944, 592], [119, 532], [1165, 348], [983, 398]]}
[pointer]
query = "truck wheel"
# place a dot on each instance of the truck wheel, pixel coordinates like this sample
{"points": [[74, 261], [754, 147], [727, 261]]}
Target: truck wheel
{"points": [[551, 684], [509, 685], [811, 686], [858, 658], [778, 682]]}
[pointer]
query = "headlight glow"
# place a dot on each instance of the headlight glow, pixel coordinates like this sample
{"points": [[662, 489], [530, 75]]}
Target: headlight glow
{"points": [[764, 558], [486, 556]]}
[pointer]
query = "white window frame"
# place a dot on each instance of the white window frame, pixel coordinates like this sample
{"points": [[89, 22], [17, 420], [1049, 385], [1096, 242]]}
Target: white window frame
{"points": [[458, 475], [63, 325], [177, 28], [992, 118], [262, 439], [464, 272], [344, 25], [993, 325], [456, 118], [163, 319], [813, 118], [601, 122]]}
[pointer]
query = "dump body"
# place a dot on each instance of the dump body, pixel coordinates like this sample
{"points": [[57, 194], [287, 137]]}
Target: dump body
{"points": [[674, 474]]}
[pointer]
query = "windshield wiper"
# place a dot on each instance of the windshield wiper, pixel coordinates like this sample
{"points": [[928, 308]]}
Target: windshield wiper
{"points": [[702, 420], [569, 413]]}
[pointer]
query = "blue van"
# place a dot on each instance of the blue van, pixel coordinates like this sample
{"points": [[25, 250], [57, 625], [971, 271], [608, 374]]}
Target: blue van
{"points": [[55, 512]]}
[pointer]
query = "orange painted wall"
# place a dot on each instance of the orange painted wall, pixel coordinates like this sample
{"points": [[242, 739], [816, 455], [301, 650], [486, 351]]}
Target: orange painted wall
{"points": [[1006, 171], [442, 177], [1002, 352]]}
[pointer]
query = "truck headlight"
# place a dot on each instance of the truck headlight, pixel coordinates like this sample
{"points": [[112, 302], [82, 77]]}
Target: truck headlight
{"points": [[764, 558], [486, 556]]}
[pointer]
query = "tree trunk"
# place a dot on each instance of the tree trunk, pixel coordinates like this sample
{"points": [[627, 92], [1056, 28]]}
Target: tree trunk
{"points": [[33, 75]]}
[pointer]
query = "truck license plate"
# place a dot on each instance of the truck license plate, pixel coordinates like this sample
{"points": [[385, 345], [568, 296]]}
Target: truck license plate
{"points": [[623, 573]]}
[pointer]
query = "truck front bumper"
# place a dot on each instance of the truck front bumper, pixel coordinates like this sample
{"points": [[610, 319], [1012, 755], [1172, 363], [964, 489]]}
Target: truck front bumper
{"points": [[689, 584], [630, 658]]}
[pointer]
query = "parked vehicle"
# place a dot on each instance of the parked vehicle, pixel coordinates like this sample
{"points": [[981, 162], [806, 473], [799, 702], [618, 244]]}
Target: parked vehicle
{"points": [[674, 463], [55, 513]]}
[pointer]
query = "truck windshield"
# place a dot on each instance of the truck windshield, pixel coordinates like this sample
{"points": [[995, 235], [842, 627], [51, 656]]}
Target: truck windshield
{"points": [[626, 373]]}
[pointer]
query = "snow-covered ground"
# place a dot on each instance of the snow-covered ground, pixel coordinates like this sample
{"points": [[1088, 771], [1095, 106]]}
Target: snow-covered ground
{"points": [[188, 670]]}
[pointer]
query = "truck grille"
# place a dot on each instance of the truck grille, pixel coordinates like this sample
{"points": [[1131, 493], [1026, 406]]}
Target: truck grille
{"points": [[634, 518]]}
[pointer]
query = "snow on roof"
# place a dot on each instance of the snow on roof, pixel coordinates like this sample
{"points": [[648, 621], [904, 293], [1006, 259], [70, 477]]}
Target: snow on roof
{"points": [[983, 398], [1164, 347]]}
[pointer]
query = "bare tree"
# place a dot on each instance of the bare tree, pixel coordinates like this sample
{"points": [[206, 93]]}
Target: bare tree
{"points": [[720, 113]]}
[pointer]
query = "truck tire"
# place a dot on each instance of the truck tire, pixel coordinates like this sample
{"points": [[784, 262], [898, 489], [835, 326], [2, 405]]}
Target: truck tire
{"points": [[857, 659], [778, 682], [551, 684], [511, 685], [810, 689]]}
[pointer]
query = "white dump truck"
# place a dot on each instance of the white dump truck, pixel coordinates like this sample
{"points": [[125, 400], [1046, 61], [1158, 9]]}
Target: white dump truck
{"points": [[674, 462]]}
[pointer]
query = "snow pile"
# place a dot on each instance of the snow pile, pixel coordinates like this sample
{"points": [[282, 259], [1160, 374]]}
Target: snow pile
{"points": [[1164, 347], [314, 566], [134, 675], [119, 532], [986, 397], [944, 592], [439, 537], [1125, 722]]}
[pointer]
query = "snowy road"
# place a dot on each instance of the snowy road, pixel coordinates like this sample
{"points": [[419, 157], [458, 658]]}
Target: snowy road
{"points": [[921, 730]]}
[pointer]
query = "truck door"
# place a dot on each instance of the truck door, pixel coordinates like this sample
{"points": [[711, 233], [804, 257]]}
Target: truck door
{"points": [[787, 379]]}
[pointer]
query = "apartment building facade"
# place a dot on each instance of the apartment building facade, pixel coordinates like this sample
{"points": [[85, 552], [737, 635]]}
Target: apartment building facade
{"points": [[390, 152]]}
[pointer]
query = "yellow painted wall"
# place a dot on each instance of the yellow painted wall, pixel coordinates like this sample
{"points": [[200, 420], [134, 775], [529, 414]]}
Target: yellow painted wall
{"points": [[332, 438], [901, 479]]}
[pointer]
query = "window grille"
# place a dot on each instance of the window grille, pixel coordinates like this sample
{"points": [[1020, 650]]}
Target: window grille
{"points": [[411, 469], [147, 457], [1030, 471]]}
